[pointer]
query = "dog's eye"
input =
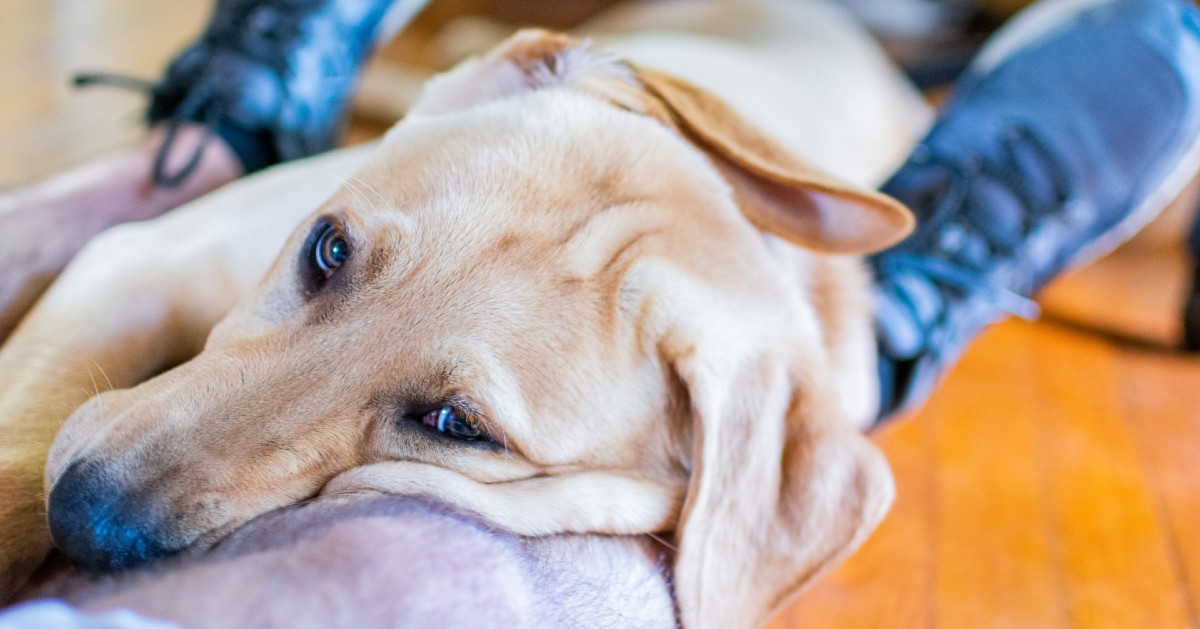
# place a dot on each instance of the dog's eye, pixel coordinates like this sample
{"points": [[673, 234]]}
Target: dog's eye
{"points": [[452, 422], [330, 250]]}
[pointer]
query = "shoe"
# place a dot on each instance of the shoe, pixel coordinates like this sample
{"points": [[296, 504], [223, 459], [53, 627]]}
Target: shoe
{"points": [[1191, 305], [1077, 123], [272, 78]]}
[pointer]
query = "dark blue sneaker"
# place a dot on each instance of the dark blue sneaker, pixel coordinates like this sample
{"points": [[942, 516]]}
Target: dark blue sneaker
{"points": [[273, 78], [1077, 123]]}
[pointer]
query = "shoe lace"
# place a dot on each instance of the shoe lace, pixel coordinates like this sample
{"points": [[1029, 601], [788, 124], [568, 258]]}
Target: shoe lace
{"points": [[200, 105], [1031, 173], [258, 38]]}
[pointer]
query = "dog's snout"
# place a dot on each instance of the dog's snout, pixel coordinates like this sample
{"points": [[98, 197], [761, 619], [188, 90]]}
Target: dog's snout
{"points": [[99, 526]]}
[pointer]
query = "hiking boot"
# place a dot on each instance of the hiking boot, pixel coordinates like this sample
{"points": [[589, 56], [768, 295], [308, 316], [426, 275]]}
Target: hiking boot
{"points": [[1076, 125]]}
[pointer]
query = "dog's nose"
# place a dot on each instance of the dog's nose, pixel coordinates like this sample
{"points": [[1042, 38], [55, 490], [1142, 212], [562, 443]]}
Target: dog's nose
{"points": [[97, 525]]}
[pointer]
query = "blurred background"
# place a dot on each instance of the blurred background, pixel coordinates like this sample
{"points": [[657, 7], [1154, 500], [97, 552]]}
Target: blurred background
{"points": [[46, 125], [43, 42], [1054, 481]]}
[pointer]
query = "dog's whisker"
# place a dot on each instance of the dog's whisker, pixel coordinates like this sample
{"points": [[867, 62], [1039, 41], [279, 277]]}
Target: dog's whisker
{"points": [[355, 189], [105, 374], [95, 385], [368, 187], [63, 410], [346, 183]]}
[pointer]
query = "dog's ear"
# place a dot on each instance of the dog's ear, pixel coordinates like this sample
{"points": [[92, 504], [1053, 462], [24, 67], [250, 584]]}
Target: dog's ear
{"points": [[782, 486], [779, 192], [533, 59]]}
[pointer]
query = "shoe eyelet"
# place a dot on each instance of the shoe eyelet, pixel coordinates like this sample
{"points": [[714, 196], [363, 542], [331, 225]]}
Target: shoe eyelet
{"points": [[951, 238]]}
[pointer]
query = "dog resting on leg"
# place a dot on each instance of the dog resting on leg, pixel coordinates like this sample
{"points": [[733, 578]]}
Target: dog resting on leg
{"points": [[576, 296], [568, 294]]}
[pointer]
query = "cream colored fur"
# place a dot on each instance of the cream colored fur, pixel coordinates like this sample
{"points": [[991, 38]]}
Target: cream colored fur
{"points": [[596, 258]]}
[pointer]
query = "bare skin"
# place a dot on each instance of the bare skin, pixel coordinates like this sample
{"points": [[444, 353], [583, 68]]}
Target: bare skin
{"points": [[391, 561], [45, 224]]}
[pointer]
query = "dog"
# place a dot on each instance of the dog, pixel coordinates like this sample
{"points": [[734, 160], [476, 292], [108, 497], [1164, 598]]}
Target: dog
{"points": [[580, 288]]}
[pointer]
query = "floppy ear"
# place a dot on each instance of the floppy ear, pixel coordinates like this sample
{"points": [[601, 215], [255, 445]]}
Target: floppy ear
{"points": [[532, 59], [779, 192], [782, 487]]}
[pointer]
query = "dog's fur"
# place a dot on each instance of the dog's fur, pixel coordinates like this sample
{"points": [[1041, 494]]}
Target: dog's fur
{"points": [[636, 283]]}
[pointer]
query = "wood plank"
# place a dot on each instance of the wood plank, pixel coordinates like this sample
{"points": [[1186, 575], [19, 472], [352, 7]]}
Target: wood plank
{"points": [[1118, 570], [1134, 294], [1159, 395], [888, 583], [996, 559]]}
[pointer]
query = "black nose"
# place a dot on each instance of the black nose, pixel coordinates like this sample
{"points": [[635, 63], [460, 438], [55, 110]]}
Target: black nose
{"points": [[95, 523]]}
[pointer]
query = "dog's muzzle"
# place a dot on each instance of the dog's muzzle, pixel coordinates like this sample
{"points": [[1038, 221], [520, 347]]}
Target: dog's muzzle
{"points": [[100, 526]]}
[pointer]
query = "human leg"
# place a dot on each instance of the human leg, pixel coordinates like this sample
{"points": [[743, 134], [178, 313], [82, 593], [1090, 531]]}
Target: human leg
{"points": [[392, 561], [47, 223]]}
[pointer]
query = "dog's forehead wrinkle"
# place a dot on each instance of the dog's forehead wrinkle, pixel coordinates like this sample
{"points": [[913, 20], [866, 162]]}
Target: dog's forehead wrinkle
{"points": [[595, 243], [479, 172]]}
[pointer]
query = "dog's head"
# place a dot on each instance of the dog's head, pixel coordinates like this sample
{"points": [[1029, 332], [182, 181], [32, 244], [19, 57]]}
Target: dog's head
{"points": [[548, 300]]}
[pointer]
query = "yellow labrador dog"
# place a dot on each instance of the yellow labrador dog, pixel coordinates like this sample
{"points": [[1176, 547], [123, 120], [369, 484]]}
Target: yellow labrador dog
{"points": [[580, 288]]}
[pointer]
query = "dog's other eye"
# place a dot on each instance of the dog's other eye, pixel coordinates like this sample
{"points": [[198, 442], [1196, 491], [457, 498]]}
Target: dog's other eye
{"points": [[330, 250], [452, 422]]}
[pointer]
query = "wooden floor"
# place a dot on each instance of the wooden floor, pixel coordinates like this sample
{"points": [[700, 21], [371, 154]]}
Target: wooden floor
{"points": [[1054, 481]]}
